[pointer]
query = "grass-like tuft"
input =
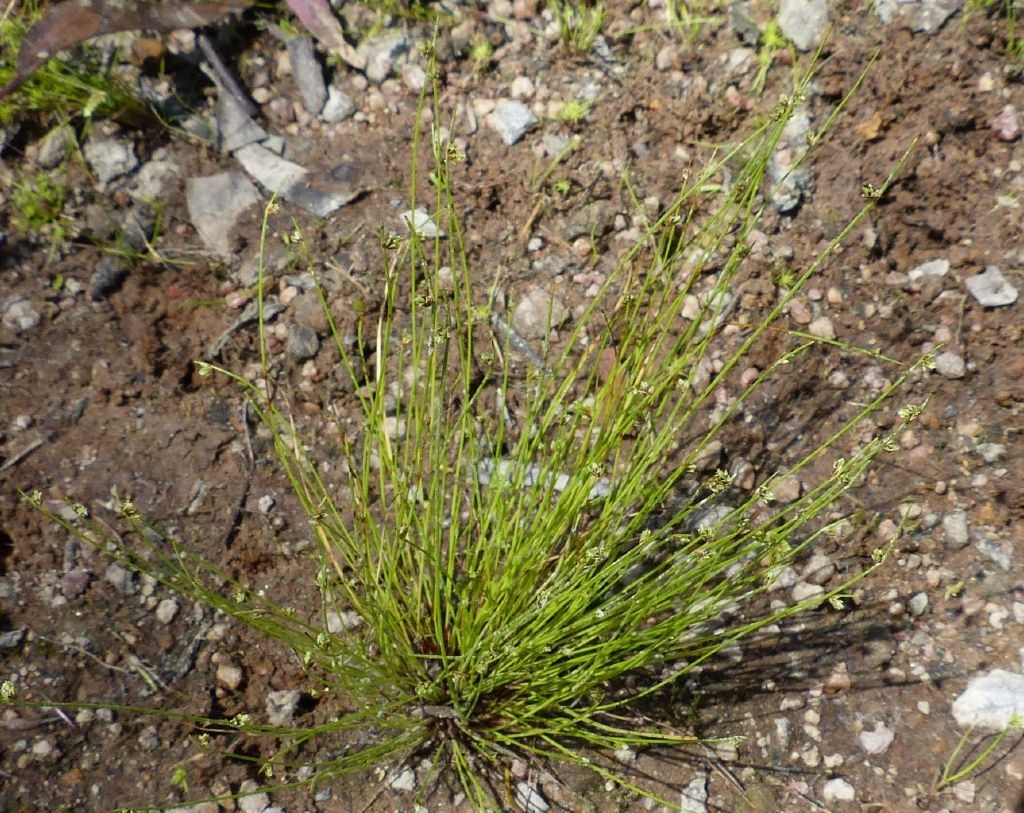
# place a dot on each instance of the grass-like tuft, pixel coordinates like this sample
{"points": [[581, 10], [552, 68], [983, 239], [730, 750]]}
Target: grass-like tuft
{"points": [[579, 22], [62, 88], [515, 548]]}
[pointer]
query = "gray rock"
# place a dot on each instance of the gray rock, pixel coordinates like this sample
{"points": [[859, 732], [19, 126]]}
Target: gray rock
{"points": [[12, 638], [235, 128], [122, 579], [804, 591], [107, 277], [302, 343], [166, 610], [20, 315], [804, 22], [838, 790], [992, 452], [957, 532], [819, 569], [931, 15], [991, 700], [420, 222], [877, 741], [537, 313], [932, 268], [307, 73], [109, 158], [381, 54], [252, 802], [529, 798], [153, 179], [926, 16], [54, 146], [289, 180], [694, 798], [405, 782], [215, 204], [790, 183], [338, 107], [282, 705], [991, 288], [744, 24], [950, 365], [994, 549], [511, 120], [918, 604], [593, 220]]}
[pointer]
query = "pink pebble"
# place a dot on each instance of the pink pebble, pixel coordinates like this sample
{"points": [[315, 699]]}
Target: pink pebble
{"points": [[1006, 125]]}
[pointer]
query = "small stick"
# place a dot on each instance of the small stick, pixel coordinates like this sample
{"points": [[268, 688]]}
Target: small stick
{"points": [[223, 76]]}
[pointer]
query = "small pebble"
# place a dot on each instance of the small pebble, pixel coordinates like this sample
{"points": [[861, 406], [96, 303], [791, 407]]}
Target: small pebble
{"points": [[822, 327], [838, 790], [956, 529], [229, 675], [166, 610], [302, 343], [282, 705], [918, 604], [529, 799], [21, 315], [251, 801], [950, 365], [1006, 125], [877, 741], [803, 591], [991, 289]]}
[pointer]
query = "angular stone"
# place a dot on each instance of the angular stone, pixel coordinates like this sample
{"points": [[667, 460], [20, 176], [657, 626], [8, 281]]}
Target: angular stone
{"points": [[991, 288], [511, 120], [991, 700], [215, 203]]}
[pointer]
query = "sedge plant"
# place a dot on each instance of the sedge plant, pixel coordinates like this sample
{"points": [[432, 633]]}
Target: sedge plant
{"points": [[83, 85], [511, 567]]}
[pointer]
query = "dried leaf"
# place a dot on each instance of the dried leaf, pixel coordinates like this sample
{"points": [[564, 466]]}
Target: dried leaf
{"points": [[67, 24]]}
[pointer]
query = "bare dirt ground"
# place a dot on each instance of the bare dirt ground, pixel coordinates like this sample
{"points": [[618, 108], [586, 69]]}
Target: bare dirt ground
{"points": [[98, 392]]}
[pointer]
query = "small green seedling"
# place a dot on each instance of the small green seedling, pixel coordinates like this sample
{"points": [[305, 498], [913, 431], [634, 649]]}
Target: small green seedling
{"points": [[579, 23], [574, 111], [951, 774]]}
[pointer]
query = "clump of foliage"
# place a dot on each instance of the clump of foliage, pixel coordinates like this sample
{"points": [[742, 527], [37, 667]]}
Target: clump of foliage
{"points": [[510, 569]]}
